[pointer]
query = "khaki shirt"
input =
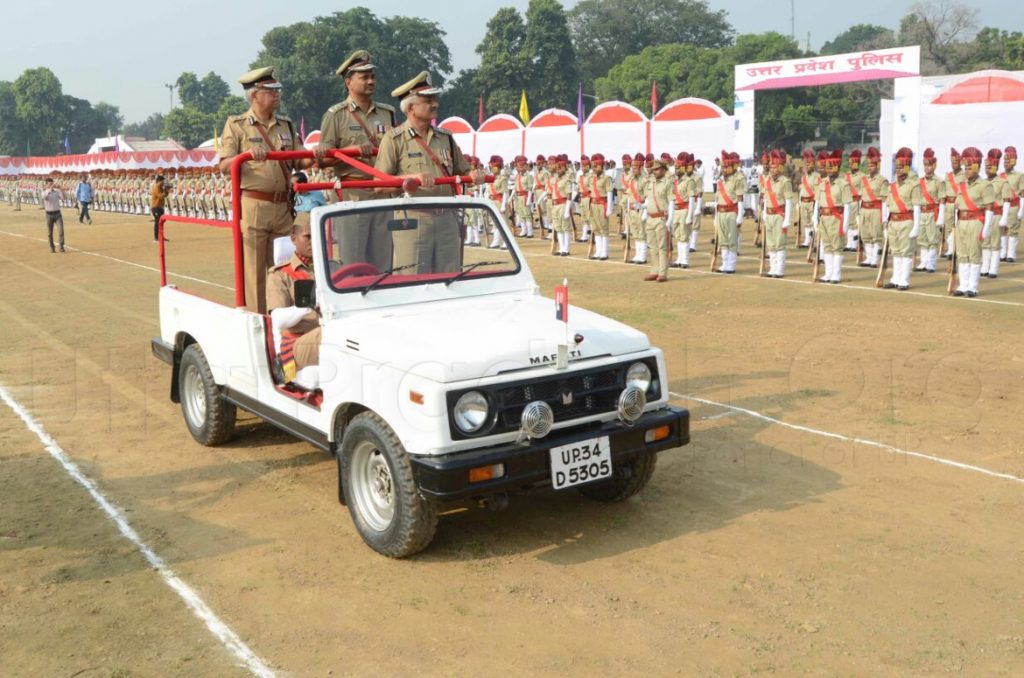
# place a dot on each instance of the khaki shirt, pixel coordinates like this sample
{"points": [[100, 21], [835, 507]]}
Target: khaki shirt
{"points": [[281, 293], [341, 128], [1002, 192], [781, 188], [935, 189], [523, 182], [838, 191], [499, 187], [735, 186], [1015, 180], [856, 181], [561, 188], [981, 193], [600, 186], [879, 186], [813, 178], [658, 196], [633, 185], [953, 181], [401, 153], [241, 134], [908, 191]]}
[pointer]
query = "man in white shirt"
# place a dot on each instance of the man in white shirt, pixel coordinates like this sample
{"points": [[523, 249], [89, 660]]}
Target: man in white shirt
{"points": [[51, 203]]}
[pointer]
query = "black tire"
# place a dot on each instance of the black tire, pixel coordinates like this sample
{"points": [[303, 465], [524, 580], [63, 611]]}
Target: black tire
{"points": [[380, 491], [627, 479], [209, 416]]}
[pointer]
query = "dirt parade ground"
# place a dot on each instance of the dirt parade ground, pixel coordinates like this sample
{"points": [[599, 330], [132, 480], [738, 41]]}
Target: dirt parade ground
{"points": [[850, 504]]}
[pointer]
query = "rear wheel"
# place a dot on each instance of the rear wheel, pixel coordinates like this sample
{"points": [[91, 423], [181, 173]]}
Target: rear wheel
{"points": [[627, 479], [380, 491], [209, 416]]}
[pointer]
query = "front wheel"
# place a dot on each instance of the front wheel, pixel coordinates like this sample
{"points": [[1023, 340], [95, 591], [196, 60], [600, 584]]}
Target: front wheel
{"points": [[380, 491], [209, 416], [627, 479]]}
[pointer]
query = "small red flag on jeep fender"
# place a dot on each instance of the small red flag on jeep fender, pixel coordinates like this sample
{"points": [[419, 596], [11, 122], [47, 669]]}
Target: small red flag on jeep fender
{"points": [[562, 302]]}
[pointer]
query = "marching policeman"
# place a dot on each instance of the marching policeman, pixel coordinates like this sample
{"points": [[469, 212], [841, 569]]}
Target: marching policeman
{"points": [[730, 189], [778, 213], [974, 201], [602, 201], [933, 214], [832, 202], [903, 222]]}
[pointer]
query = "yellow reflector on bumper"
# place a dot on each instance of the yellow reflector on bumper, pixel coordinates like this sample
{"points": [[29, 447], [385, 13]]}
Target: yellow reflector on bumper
{"points": [[482, 473]]}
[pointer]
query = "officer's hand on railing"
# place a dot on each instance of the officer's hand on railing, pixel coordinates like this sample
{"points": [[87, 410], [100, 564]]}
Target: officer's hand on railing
{"points": [[426, 181], [366, 150], [478, 176], [259, 154], [320, 152]]}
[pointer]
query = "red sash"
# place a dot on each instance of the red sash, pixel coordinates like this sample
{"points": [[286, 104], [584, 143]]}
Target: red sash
{"points": [[596, 194], [725, 196], [559, 198], [832, 207], [680, 203], [971, 205], [849, 180], [895, 195], [867, 189], [951, 178], [807, 187], [771, 194], [296, 274], [632, 189], [932, 205]]}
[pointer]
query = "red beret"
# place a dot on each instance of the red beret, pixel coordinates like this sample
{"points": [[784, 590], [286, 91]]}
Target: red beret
{"points": [[855, 154], [496, 160], [904, 156], [777, 157], [765, 156], [681, 158], [1010, 151], [808, 154], [597, 158], [928, 155], [667, 157], [822, 155], [649, 157], [584, 158], [873, 154], [541, 158], [626, 157], [520, 158], [639, 157], [835, 158], [994, 156], [953, 153], [971, 153]]}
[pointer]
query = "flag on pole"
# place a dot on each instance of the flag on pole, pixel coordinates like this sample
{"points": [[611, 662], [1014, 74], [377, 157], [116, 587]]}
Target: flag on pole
{"points": [[562, 301], [480, 112], [524, 110], [67, 144], [117, 144], [302, 129], [654, 97], [581, 111]]}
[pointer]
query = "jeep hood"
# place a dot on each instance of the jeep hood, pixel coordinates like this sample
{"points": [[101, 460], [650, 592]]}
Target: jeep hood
{"points": [[454, 340]]}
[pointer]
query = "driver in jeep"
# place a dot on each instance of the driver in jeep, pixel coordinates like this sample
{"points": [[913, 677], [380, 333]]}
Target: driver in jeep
{"points": [[299, 327]]}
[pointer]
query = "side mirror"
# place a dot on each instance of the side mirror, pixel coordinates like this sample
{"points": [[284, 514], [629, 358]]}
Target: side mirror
{"points": [[305, 293]]}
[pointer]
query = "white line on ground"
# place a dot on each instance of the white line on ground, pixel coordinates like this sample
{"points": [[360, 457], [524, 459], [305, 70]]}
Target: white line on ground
{"points": [[122, 261], [858, 441], [199, 608], [701, 270]]}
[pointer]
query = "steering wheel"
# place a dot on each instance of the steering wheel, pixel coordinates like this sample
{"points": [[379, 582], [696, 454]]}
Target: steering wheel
{"points": [[349, 270]]}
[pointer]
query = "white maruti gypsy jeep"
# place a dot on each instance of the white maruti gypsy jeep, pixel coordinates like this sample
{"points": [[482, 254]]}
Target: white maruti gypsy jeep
{"points": [[448, 379]]}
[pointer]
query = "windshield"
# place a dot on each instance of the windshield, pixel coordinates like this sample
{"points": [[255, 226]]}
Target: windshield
{"points": [[371, 248]]}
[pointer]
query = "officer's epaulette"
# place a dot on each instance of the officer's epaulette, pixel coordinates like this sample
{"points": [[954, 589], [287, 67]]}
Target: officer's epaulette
{"points": [[441, 130], [240, 118], [386, 107], [336, 107], [399, 131]]}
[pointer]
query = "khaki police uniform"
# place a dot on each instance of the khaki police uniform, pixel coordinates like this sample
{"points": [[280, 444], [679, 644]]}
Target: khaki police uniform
{"points": [[775, 229], [729, 197], [933, 196], [266, 204], [436, 245], [831, 198], [874, 190], [808, 188], [1015, 181], [658, 202], [901, 215]]}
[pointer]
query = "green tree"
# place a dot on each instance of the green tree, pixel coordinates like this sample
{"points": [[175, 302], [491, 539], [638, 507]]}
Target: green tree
{"points": [[551, 58], [40, 106], [10, 125], [189, 126], [995, 48], [942, 29], [503, 70], [150, 128], [605, 32], [860, 38], [305, 56], [461, 98]]}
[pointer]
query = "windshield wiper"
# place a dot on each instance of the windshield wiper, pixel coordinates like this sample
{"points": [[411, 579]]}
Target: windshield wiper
{"points": [[379, 279], [469, 267]]}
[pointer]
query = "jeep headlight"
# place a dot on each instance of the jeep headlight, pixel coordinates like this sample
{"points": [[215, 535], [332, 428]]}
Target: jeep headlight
{"points": [[639, 375], [471, 412]]}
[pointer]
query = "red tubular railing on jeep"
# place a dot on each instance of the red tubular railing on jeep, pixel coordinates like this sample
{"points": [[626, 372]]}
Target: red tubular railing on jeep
{"points": [[346, 155]]}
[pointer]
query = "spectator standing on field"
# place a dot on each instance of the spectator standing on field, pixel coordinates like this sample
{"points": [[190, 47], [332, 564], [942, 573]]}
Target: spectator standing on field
{"points": [[84, 195], [51, 204]]}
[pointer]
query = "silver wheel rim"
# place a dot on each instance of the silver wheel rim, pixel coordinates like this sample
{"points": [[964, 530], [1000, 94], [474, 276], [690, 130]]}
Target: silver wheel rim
{"points": [[373, 491], [194, 396]]}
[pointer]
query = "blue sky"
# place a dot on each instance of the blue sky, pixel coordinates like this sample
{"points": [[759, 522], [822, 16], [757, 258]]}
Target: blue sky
{"points": [[124, 52]]}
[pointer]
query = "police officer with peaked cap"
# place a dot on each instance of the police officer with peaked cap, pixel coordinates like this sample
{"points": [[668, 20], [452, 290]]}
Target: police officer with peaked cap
{"points": [[266, 204]]}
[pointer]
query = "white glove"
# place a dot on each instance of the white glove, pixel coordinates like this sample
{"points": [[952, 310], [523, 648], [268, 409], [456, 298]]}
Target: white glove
{"points": [[698, 209], [608, 207], [988, 224], [690, 211], [568, 205], [1020, 212], [917, 222], [941, 219], [287, 316], [814, 215], [1006, 215], [885, 211], [644, 216], [846, 219], [787, 220]]}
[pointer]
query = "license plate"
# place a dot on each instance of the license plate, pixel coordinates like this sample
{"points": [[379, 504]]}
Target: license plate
{"points": [[581, 462]]}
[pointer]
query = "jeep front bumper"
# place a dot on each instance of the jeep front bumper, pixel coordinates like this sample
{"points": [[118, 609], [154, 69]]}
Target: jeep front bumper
{"points": [[446, 477]]}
